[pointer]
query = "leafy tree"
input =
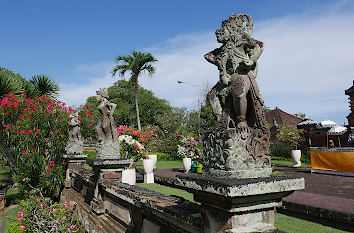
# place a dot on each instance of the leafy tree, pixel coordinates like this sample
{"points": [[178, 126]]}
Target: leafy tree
{"points": [[136, 64], [122, 93]]}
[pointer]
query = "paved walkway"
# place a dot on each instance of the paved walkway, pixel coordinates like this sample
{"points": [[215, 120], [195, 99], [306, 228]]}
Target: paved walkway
{"points": [[327, 199]]}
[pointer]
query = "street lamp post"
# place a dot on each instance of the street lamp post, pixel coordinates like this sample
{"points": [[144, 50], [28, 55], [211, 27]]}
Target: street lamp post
{"points": [[198, 106]]}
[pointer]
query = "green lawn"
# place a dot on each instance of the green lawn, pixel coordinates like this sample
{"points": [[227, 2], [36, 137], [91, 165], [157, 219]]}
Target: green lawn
{"points": [[284, 163], [9, 216], [163, 164]]}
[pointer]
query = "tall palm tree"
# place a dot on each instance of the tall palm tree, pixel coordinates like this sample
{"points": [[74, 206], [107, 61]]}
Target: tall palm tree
{"points": [[136, 63], [44, 85]]}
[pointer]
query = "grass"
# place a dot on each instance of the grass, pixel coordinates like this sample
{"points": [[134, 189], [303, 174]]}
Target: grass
{"points": [[163, 164], [295, 225], [285, 163], [168, 190], [9, 216]]}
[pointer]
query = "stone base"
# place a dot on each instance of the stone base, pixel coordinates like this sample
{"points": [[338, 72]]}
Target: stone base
{"points": [[74, 147], [99, 164], [244, 152], [97, 206], [239, 174], [238, 205], [149, 178], [72, 161], [109, 150]]}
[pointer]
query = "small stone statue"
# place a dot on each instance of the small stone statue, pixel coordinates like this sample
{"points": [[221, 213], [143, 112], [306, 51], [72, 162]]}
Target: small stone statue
{"points": [[239, 143], [108, 144], [75, 144]]}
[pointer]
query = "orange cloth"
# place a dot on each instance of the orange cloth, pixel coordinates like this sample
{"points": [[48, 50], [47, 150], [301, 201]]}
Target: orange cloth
{"points": [[333, 161]]}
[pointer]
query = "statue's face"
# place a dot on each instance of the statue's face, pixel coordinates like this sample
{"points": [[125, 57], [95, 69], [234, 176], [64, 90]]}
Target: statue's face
{"points": [[222, 34]]}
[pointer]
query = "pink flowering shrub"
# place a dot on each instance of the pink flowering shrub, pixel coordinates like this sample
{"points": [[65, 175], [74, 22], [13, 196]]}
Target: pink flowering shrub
{"points": [[39, 214], [35, 132], [87, 122]]}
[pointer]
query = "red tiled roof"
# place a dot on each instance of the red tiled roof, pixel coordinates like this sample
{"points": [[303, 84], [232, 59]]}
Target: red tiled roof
{"points": [[281, 117]]}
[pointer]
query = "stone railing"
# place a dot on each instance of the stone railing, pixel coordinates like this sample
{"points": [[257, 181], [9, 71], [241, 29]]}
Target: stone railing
{"points": [[129, 208], [226, 205]]}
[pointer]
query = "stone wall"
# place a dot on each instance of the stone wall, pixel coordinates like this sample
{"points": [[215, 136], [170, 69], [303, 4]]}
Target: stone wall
{"points": [[130, 208]]}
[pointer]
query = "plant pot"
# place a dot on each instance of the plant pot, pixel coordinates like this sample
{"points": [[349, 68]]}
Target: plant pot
{"points": [[187, 164], [129, 176], [154, 158], [296, 156], [148, 165]]}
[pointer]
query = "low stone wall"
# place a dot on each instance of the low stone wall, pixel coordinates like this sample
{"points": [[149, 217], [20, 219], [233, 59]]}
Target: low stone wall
{"points": [[130, 208]]}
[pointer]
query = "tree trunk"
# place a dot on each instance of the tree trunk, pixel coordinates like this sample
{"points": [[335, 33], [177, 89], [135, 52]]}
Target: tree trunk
{"points": [[136, 85]]}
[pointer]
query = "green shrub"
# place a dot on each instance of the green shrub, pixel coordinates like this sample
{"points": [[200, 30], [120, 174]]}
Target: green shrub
{"points": [[35, 131], [280, 149]]}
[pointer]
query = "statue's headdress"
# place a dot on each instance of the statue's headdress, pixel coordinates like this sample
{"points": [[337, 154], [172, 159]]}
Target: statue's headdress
{"points": [[103, 92], [238, 23]]}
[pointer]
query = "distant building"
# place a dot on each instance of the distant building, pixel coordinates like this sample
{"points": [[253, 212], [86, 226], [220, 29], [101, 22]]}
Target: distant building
{"points": [[278, 117], [350, 117]]}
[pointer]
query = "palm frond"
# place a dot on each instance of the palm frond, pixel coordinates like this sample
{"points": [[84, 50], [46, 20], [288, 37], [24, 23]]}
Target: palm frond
{"points": [[8, 83], [45, 85]]}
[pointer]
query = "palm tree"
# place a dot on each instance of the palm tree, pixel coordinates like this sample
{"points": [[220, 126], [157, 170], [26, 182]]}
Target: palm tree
{"points": [[9, 82], [44, 85], [136, 64]]}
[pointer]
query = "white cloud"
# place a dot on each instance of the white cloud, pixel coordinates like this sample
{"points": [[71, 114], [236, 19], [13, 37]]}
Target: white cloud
{"points": [[305, 67]]}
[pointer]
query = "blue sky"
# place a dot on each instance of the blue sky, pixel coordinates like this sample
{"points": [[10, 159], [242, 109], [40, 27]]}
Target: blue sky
{"points": [[306, 66]]}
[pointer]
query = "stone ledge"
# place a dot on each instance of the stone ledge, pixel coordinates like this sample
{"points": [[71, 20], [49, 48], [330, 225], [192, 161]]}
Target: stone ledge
{"points": [[172, 206], [239, 187], [105, 162]]}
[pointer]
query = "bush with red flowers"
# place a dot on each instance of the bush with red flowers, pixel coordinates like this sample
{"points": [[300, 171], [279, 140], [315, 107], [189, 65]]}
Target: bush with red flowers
{"points": [[33, 135]]}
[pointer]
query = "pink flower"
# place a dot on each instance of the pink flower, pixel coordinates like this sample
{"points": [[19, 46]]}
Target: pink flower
{"points": [[22, 228], [19, 219], [74, 203], [20, 213], [53, 229], [53, 210], [51, 163], [72, 226]]}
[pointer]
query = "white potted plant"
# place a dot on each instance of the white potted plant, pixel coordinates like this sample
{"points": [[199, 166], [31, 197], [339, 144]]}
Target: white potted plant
{"points": [[130, 148], [291, 135], [186, 151]]}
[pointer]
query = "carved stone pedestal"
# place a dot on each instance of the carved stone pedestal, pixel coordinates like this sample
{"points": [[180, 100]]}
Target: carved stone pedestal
{"points": [[71, 162], [106, 169], [235, 153], [238, 205]]}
